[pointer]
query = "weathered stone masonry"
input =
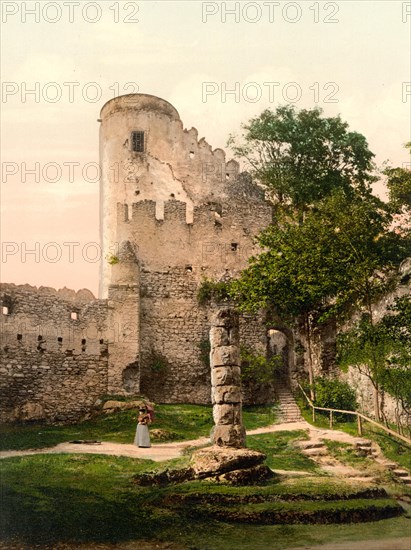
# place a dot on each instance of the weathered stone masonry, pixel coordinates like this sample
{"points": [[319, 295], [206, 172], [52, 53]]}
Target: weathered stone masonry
{"points": [[53, 360], [172, 213]]}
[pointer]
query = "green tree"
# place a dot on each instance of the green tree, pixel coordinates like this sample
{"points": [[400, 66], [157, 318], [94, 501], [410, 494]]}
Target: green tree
{"points": [[399, 186], [342, 257], [396, 378], [333, 246], [300, 157], [382, 352]]}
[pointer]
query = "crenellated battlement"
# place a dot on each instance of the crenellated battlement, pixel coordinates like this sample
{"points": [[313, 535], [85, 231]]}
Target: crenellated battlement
{"points": [[173, 211], [218, 236], [144, 212]]}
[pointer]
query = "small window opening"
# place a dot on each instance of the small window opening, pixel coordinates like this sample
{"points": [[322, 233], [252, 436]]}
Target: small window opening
{"points": [[73, 315], [137, 142], [192, 154], [39, 338], [172, 195], [234, 247], [19, 337], [101, 341], [83, 341], [59, 339], [136, 192], [189, 268], [5, 310], [227, 176]]}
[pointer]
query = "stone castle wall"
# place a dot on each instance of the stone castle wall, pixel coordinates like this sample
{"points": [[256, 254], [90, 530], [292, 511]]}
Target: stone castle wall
{"points": [[172, 215], [53, 356]]}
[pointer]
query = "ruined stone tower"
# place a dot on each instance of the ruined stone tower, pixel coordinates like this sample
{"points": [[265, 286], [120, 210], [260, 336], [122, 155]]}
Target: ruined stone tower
{"points": [[173, 212]]}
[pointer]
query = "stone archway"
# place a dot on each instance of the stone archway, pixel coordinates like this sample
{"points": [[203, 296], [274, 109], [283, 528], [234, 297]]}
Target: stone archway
{"points": [[279, 342]]}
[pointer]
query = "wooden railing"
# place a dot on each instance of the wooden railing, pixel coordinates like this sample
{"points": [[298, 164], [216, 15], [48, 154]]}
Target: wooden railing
{"points": [[360, 418]]}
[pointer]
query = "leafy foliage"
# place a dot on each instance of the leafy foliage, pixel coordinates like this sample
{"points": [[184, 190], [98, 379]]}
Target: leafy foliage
{"points": [[333, 246], [399, 186], [396, 378], [112, 260], [300, 157], [382, 350], [343, 253], [205, 348], [334, 394], [257, 368], [212, 291]]}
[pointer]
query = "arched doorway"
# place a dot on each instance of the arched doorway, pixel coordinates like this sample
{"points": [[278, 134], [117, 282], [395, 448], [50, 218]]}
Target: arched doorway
{"points": [[279, 344]]}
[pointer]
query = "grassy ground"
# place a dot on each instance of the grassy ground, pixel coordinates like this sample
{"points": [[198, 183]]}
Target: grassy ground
{"points": [[79, 498], [282, 454], [83, 498], [180, 422], [392, 448]]}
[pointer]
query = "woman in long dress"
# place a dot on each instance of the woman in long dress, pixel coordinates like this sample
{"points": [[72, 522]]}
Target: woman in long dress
{"points": [[142, 438]]}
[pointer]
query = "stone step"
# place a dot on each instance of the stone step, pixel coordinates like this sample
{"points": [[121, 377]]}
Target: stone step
{"points": [[316, 452], [289, 410], [387, 463], [401, 473], [363, 443], [311, 445], [364, 450]]}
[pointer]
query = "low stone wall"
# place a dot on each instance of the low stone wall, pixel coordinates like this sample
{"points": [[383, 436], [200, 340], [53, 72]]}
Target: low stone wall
{"points": [[53, 354], [50, 386]]}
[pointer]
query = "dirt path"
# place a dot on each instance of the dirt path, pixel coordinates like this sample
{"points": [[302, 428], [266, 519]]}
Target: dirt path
{"points": [[167, 451]]}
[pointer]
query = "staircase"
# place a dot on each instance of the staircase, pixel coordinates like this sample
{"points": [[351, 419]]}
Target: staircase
{"points": [[289, 410]]}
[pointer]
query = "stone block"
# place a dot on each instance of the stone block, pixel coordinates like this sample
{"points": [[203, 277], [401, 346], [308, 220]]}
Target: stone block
{"points": [[226, 376], [247, 476], [225, 318], [225, 355], [228, 435], [217, 460], [219, 336], [226, 394], [227, 414]]}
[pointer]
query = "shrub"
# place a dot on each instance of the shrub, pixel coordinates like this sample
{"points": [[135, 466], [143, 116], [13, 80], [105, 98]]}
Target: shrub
{"points": [[257, 368], [208, 291], [205, 348], [332, 393]]}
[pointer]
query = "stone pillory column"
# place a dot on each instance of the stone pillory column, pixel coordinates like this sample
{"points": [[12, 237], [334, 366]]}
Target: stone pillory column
{"points": [[225, 380]]}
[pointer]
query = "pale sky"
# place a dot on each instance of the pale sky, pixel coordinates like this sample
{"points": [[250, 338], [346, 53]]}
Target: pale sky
{"points": [[347, 57]]}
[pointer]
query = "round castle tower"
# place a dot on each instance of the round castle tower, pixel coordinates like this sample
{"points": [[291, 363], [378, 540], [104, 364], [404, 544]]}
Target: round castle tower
{"points": [[146, 155]]}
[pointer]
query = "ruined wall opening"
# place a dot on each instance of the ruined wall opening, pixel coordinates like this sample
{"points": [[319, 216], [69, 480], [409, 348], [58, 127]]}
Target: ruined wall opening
{"points": [[131, 378], [278, 344]]}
